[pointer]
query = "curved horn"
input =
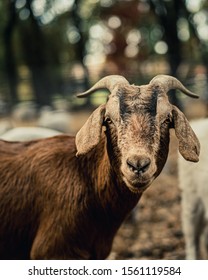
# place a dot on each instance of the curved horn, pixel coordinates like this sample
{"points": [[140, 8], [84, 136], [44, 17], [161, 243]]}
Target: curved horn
{"points": [[168, 82], [108, 82]]}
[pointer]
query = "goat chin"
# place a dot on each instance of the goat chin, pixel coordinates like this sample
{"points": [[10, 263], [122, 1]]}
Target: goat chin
{"points": [[136, 186], [138, 181]]}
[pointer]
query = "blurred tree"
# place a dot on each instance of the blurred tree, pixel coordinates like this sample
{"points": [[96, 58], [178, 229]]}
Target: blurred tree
{"points": [[9, 60], [82, 40], [34, 49], [168, 13], [158, 23], [135, 38], [80, 44]]}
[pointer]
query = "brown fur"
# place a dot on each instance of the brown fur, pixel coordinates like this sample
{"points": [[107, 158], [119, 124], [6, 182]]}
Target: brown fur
{"points": [[47, 210], [65, 198]]}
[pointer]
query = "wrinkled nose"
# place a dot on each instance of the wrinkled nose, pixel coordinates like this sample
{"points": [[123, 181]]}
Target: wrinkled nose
{"points": [[138, 164]]}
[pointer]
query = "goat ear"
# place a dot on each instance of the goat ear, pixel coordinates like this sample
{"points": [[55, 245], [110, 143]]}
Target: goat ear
{"points": [[89, 135], [189, 145]]}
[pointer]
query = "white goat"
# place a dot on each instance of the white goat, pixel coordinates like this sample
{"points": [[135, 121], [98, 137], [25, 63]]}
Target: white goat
{"points": [[28, 133], [55, 119], [193, 180], [5, 125]]}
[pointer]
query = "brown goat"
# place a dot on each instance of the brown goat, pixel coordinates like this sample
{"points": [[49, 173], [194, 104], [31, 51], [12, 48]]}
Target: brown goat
{"points": [[65, 197]]}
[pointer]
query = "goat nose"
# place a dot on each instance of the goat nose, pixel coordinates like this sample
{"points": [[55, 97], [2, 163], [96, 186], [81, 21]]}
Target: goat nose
{"points": [[138, 164]]}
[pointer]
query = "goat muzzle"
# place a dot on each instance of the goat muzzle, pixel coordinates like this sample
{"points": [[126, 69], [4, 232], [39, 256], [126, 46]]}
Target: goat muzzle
{"points": [[138, 164], [138, 172]]}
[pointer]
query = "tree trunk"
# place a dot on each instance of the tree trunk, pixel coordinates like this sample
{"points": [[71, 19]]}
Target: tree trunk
{"points": [[33, 45], [168, 13], [10, 65]]}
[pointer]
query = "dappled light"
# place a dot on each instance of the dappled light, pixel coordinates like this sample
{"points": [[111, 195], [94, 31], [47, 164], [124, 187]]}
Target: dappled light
{"points": [[201, 21], [183, 29], [58, 7], [114, 22], [161, 47], [102, 37], [194, 5]]}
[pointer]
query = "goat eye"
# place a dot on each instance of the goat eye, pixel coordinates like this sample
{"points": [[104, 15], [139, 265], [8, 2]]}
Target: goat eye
{"points": [[168, 118], [108, 120]]}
